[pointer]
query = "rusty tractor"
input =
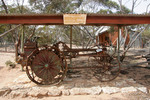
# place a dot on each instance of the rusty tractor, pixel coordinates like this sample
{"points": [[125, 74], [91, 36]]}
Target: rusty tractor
{"points": [[47, 64]]}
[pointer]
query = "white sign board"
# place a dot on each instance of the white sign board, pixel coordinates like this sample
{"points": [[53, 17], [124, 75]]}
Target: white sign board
{"points": [[73, 19]]}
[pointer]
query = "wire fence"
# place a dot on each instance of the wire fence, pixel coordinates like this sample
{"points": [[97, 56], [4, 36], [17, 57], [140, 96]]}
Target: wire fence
{"points": [[7, 47]]}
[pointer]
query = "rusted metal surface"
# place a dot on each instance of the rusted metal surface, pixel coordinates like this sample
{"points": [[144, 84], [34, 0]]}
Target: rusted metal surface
{"points": [[85, 67], [109, 67], [32, 19], [29, 47], [46, 66], [57, 19]]}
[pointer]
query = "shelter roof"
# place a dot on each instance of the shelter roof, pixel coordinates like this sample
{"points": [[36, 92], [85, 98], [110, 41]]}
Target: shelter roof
{"points": [[91, 19]]}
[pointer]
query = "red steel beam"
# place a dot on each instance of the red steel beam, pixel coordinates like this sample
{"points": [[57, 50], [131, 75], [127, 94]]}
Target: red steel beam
{"points": [[32, 19], [92, 19], [118, 20]]}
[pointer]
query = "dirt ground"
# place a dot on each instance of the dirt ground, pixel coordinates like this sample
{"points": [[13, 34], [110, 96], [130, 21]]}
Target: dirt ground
{"points": [[83, 78], [140, 73]]}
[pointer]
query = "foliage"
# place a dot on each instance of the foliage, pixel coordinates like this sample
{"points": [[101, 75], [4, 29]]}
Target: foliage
{"points": [[146, 36], [109, 4], [43, 35], [111, 29], [10, 64], [12, 37], [125, 10], [52, 34], [55, 6], [105, 11]]}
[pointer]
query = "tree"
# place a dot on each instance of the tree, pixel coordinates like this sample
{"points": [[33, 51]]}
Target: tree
{"points": [[146, 36], [8, 9], [86, 33], [140, 28], [55, 6]]}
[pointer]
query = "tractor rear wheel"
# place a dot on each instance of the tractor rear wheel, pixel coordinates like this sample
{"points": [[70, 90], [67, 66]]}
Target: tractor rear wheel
{"points": [[46, 66]]}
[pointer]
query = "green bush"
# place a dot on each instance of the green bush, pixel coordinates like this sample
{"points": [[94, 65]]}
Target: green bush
{"points": [[10, 64]]}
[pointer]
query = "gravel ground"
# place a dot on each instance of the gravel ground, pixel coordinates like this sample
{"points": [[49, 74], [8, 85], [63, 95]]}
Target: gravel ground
{"points": [[132, 84]]}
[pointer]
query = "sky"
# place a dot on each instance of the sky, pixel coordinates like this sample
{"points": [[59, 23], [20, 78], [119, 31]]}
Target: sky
{"points": [[140, 8], [141, 5]]}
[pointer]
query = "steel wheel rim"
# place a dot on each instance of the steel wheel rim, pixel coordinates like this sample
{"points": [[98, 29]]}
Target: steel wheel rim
{"points": [[39, 79], [110, 69]]}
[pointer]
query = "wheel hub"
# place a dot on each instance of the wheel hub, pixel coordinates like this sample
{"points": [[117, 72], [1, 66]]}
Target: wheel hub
{"points": [[46, 65]]}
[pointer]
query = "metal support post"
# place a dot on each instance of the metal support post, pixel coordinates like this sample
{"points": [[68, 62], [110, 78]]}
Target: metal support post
{"points": [[22, 39], [70, 37], [16, 52], [71, 44], [22, 42], [119, 37]]}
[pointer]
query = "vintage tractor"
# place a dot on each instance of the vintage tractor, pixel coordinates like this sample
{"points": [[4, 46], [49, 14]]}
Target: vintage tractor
{"points": [[47, 64]]}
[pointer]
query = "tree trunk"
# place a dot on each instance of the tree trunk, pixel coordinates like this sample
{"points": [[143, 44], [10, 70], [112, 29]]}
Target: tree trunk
{"points": [[130, 44], [5, 7]]}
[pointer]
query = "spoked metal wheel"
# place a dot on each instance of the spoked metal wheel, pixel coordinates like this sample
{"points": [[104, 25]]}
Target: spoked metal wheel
{"points": [[46, 66], [109, 68]]}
